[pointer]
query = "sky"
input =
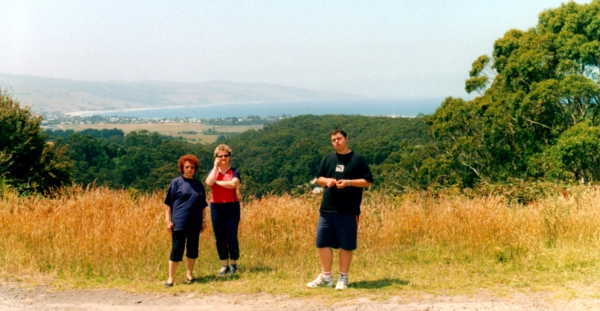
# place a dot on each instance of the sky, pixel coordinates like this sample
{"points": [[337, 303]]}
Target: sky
{"points": [[377, 48]]}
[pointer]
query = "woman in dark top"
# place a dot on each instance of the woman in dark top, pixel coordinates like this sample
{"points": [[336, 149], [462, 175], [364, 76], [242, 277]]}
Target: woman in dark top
{"points": [[185, 216], [225, 208]]}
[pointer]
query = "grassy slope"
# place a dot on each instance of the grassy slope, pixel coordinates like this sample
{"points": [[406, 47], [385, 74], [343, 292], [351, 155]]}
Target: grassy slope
{"points": [[407, 245]]}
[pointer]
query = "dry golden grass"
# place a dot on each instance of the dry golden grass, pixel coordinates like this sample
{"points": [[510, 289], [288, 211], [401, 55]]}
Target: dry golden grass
{"points": [[101, 237]]}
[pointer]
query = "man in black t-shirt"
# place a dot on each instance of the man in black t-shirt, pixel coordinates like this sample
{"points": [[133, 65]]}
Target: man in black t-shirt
{"points": [[344, 174]]}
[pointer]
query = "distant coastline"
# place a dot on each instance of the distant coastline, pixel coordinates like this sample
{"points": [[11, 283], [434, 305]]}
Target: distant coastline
{"points": [[367, 107], [81, 97], [83, 113], [104, 112]]}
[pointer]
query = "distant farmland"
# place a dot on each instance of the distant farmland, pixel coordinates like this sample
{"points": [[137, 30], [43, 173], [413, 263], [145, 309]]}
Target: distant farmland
{"points": [[206, 134]]}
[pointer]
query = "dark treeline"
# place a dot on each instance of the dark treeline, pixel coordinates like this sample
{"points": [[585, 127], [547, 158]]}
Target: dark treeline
{"points": [[282, 157], [139, 160]]}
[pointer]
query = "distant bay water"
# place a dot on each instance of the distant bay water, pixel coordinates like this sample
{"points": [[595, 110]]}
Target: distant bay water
{"points": [[369, 107]]}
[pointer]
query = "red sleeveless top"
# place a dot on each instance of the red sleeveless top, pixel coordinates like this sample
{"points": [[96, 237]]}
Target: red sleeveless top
{"points": [[221, 194]]}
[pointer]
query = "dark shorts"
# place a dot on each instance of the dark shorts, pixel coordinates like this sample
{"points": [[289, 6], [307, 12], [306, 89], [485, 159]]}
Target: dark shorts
{"points": [[337, 231], [184, 239]]}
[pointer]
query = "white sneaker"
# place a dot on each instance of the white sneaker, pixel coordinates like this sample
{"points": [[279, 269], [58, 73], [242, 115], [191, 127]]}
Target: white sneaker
{"points": [[225, 270], [342, 283], [321, 281]]}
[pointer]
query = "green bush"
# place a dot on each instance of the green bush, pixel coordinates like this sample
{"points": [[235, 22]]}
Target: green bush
{"points": [[27, 162]]}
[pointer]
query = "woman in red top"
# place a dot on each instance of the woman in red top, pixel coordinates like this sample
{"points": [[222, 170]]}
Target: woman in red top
{"points": [[225, 208]]}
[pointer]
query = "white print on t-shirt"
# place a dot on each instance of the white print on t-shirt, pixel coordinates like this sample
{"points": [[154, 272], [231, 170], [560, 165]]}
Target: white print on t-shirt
{"points": [[339, 168]]}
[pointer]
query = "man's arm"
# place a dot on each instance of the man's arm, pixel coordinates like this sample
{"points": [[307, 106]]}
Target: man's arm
{"points": [[359, 183], [326, 182]]}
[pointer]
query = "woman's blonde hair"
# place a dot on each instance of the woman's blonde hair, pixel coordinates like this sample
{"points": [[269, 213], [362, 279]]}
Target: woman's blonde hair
{"points": [[223, 147]]}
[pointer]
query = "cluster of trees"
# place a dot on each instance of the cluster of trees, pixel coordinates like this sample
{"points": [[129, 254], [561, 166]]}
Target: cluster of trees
{"points": [[140, 160], [537, 114], [27, 162]]}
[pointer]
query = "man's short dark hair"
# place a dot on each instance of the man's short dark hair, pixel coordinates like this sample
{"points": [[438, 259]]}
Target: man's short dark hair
{"points": [[338, 130]]}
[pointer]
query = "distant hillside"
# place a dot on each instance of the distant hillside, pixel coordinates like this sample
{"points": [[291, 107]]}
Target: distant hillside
{"points": [[47, 95]]}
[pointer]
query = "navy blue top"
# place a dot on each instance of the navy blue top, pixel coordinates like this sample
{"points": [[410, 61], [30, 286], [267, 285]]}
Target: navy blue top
{"points": [[187, 199]]}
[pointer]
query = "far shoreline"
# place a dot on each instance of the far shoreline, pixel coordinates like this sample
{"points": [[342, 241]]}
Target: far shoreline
{"points": [[81, 113], [367, 107]]}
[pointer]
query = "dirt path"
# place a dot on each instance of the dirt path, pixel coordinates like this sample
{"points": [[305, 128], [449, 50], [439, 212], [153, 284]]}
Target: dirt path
{"points": [[43, 298]]}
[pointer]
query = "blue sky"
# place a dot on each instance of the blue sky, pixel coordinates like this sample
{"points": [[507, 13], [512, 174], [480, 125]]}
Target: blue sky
{"points": [[400, 49]]}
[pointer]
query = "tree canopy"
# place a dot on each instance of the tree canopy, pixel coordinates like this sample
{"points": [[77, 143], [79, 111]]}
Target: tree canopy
{"points": [[27, 162], [537, 84], [140, 160]]}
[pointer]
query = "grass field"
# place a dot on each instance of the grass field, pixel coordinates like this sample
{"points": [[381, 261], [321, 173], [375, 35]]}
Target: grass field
{"points": [[408, 245], [168, 129]]}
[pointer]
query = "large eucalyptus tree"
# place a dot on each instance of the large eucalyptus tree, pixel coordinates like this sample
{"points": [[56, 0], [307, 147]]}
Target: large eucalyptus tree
{"points": [[537, 84]]}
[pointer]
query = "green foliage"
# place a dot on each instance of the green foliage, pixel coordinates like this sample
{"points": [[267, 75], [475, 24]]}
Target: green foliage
{"points": [[27, 162], [114, 135], [545, 81], [140, 160], [578, 152], [478, 80]]}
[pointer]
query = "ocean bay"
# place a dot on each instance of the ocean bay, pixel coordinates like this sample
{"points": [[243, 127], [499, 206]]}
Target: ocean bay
{"points": [[367, 107]]}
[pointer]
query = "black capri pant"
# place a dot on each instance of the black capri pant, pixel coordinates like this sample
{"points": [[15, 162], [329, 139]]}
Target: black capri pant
{"points": [[188, 239]]}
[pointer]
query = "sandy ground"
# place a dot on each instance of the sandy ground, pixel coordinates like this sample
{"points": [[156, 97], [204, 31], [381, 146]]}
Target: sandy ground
{"points": [[44, 298]]}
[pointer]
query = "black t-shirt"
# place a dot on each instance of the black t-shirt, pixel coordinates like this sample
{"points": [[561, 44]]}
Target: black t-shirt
{"points": [[344, 166]]}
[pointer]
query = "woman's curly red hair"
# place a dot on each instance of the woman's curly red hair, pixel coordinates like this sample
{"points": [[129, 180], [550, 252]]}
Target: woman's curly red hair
{"points": [[189, 158]]}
